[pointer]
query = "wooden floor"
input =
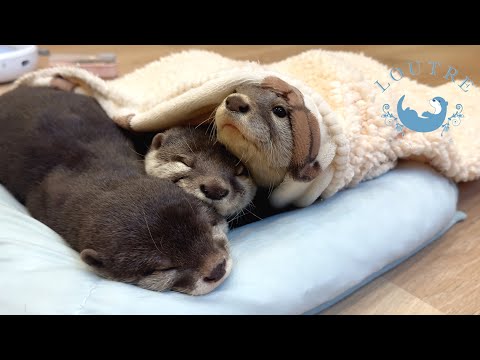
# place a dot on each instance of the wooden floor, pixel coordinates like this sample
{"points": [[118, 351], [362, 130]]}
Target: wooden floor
{"points": [[444, 278]]}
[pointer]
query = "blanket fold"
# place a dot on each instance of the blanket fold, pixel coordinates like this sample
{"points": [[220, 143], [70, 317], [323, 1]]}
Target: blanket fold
{"points": [[338, 88]]}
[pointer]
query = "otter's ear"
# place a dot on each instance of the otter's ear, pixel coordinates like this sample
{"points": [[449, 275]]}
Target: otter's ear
{"points": [[157, 141], [92, 258], [306, 144], [305, 131]]}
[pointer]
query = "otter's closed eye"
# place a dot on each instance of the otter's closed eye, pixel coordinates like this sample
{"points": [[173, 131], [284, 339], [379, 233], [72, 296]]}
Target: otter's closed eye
{"points": [[168, 269], [184, 160], [279, 111], [148, 272], [152, 271]]}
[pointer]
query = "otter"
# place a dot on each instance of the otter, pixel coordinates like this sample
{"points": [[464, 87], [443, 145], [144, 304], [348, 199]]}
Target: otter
{"points": [[269, 127], [67, 161], [202, 167]]}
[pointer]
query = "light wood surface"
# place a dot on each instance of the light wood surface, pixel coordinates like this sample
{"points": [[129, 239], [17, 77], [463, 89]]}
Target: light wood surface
{"points": [[444, 278]]}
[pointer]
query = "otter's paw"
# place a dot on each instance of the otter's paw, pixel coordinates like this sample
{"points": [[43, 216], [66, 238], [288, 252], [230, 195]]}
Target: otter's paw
{"points": [[60, 83]]}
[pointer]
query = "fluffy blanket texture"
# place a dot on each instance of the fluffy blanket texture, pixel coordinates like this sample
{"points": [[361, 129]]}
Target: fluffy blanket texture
{"points": [[338, 88]]}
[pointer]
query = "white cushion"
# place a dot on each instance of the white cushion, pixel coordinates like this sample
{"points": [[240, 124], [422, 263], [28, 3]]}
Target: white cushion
{"points": [[293, 263]]}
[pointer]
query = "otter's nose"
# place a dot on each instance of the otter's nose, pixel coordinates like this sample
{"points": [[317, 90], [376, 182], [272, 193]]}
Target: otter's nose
{"points": [[237, 104], [214, 191], [217, 273]]}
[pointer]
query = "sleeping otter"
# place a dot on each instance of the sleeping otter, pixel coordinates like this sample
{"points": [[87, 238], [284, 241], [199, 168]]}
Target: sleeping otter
{"points": [[190, 158], [66, 160], [202, 167]]}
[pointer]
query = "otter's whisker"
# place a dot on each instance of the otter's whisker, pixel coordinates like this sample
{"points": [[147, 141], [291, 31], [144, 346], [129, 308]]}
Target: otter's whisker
{"points": [[211, 117], [148, 228], [135, 151], [207, 130], [203, 122], [186, 143], [193, 139], [258, 217], [240, 160], [251, 204], [237, 215], [212, 131]]}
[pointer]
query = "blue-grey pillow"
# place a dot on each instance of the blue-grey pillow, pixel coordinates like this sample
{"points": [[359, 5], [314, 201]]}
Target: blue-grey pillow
{"points": [[292, 263]]}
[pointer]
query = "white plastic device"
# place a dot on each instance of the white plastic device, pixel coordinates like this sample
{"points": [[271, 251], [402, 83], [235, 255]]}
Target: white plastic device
{"points": [[16, 60]]}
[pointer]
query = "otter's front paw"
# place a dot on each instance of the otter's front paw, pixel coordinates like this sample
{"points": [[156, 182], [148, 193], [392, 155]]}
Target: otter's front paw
{"points": [[60, 83]]}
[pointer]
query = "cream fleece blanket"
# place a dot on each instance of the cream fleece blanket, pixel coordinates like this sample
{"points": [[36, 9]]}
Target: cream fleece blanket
{"points": [[338, 88]]}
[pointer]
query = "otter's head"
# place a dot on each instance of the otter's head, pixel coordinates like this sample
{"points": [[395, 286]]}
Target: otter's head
{"points": [[438, 103], [270, 128], [202, 167], [152, 234]]}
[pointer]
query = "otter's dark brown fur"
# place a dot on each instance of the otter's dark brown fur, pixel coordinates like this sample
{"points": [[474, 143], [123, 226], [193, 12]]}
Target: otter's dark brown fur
{"points": [[65, 159]]}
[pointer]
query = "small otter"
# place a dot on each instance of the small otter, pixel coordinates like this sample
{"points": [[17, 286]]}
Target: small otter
{"points": [[63, 157], [204, 168], [270, 128]]}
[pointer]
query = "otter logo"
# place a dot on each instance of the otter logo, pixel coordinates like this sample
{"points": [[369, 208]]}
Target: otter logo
{"points": [[428, 122]]}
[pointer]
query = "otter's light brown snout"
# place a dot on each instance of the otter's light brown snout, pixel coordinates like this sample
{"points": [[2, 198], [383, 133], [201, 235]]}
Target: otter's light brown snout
{"points": [[236, 103], [213, 273]]}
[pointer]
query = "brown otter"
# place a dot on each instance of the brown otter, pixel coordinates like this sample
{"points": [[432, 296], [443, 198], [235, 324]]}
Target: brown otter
{"points": [[271, 129], [63, 157], [202, 167]]}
